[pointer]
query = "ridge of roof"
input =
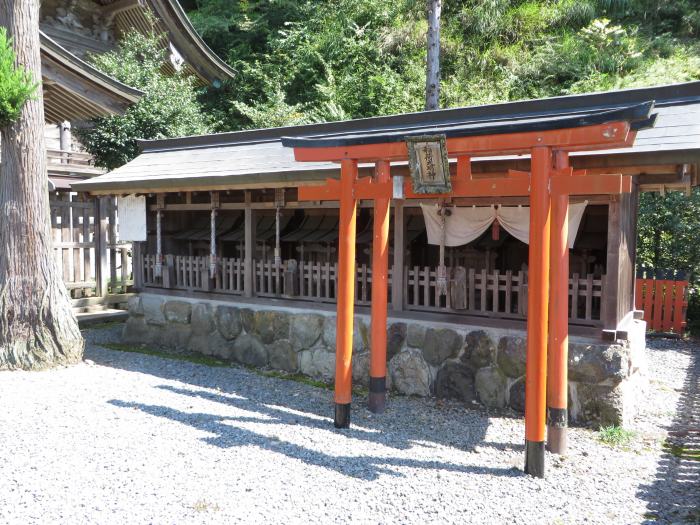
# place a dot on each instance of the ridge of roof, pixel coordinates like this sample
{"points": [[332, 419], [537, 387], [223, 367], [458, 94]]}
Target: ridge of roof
{"points": [[664, 95], [61, 54], [169, 12]]}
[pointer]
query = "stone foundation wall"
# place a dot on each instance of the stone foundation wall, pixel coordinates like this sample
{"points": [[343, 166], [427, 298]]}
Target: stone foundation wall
{"points": [[450, 361]]}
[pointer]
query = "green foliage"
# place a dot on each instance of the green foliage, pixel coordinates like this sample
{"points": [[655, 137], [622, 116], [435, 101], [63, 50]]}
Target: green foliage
{"points": [[303, 61], [169, 107], [615, 436], [16, 83]]}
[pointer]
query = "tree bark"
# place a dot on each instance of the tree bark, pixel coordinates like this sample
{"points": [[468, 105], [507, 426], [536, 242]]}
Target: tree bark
{"points": [[37, 327], [432, 77]]}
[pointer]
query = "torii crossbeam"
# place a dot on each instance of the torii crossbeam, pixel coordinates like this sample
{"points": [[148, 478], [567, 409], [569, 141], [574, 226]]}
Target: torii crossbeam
{"points": [[548, 185]]}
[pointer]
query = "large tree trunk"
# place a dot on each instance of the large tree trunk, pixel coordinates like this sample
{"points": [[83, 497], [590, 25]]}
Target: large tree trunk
{"points": [[37, 326], [432, 78]]}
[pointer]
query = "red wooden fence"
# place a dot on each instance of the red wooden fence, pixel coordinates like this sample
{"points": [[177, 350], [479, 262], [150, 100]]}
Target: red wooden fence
{"points": [[664, 303]]}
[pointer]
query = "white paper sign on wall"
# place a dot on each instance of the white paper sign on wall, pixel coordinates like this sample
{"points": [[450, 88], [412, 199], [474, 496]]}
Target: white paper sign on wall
{"points": [[132, 218]]}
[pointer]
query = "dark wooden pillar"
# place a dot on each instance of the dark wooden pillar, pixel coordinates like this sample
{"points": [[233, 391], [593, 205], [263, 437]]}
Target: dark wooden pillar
{"points": [[249, 251], [618, 294], [397, 276], [136, 265], [101, 246]]}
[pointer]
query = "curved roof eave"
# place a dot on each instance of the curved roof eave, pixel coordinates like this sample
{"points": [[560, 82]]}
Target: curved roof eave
{"points": [[53, 50], [183, 35]]}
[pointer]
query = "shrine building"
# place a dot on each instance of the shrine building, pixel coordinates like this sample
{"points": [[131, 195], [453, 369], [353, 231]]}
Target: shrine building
{"points": [[237, 238]]}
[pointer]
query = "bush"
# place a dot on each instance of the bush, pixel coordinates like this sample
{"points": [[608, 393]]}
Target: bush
{"points": [[168, 108], [16, 83], [615, 436]]}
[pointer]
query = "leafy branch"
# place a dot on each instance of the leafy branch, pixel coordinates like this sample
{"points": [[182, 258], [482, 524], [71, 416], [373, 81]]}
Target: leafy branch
{"points": [[16, 83]]}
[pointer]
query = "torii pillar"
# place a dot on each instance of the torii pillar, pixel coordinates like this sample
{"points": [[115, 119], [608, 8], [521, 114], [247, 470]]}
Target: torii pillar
{"points": [[346, 293], [537, 313], [558, 343], [543, 184], [380, 266]]}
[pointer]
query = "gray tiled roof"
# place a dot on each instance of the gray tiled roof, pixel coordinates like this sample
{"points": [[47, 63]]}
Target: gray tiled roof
{"points": [[258, 159]]}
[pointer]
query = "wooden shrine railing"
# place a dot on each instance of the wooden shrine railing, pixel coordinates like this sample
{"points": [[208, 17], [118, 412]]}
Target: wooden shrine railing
{"points": [[181, 272], [64, 160], [496, 294], [86, 248], [664, 299], [479, 293]]}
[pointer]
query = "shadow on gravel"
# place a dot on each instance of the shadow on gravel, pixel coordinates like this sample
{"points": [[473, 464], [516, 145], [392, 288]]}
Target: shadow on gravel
{"points": [[279, 401], [362, 467], [674, 496]]}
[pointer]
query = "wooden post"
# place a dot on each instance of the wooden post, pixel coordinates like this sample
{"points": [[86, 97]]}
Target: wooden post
{"points": [[558, 343], [612, 267], [101, 246], [397, 276], [537, 317], [249, 248], [65, 141], [137, 265], [346, 294], [380, 266]]}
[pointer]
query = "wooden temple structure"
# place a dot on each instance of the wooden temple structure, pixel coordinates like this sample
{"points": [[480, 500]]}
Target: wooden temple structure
{"points": [[96, 267], [327, 214]]}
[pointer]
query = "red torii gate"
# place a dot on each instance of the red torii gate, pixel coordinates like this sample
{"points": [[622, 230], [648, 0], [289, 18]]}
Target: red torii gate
{"points": [[550, 182]]}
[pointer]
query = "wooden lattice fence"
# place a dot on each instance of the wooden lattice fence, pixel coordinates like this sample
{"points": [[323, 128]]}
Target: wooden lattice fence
{"points": [[86, 249]]}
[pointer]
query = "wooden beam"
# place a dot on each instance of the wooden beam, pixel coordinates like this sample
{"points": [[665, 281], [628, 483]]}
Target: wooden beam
{"points": [[111, 10], [248, 275], [397, 277], [618, 299], [598, 137], [101, 246], [87, 91]]}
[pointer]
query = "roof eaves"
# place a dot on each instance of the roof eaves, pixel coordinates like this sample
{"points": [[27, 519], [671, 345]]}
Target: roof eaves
{"points": [[51, 48], [178, 25]]}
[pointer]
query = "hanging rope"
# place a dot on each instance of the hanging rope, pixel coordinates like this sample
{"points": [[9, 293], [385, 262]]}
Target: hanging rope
{"points": [[441, 280], [212, 247], [158, 269]]}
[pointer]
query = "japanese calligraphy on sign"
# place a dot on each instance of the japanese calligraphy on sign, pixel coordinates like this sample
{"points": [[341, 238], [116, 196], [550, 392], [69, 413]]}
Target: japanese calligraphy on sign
{"points": [[430, 169]]}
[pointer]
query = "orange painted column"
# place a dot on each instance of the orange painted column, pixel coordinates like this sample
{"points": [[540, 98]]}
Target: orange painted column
{"points": [[346, 293], [380, 269], [537, 311], [558, 348]]}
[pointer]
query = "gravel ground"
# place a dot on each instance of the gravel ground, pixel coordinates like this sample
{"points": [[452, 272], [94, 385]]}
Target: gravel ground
{"points": [[132, 438]]}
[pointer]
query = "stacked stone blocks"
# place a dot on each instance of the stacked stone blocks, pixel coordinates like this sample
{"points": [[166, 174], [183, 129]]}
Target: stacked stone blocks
{"points": [[471, 365]]}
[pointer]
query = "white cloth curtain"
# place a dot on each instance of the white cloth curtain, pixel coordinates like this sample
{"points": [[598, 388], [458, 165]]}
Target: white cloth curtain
{"points": [[465, 225], [462, 226], [516, 221]]}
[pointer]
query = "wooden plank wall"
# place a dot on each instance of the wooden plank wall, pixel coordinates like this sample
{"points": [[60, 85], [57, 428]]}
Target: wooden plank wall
{"points": [[618, 302], [78, 226]]}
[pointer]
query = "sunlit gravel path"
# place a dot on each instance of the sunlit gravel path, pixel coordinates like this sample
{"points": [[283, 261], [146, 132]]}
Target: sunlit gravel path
{"points": [[131, 438]]}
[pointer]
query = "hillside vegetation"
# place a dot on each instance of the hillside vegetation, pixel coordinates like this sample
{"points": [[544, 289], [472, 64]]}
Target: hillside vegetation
{"points": [[311, 61], [304, 61]]}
